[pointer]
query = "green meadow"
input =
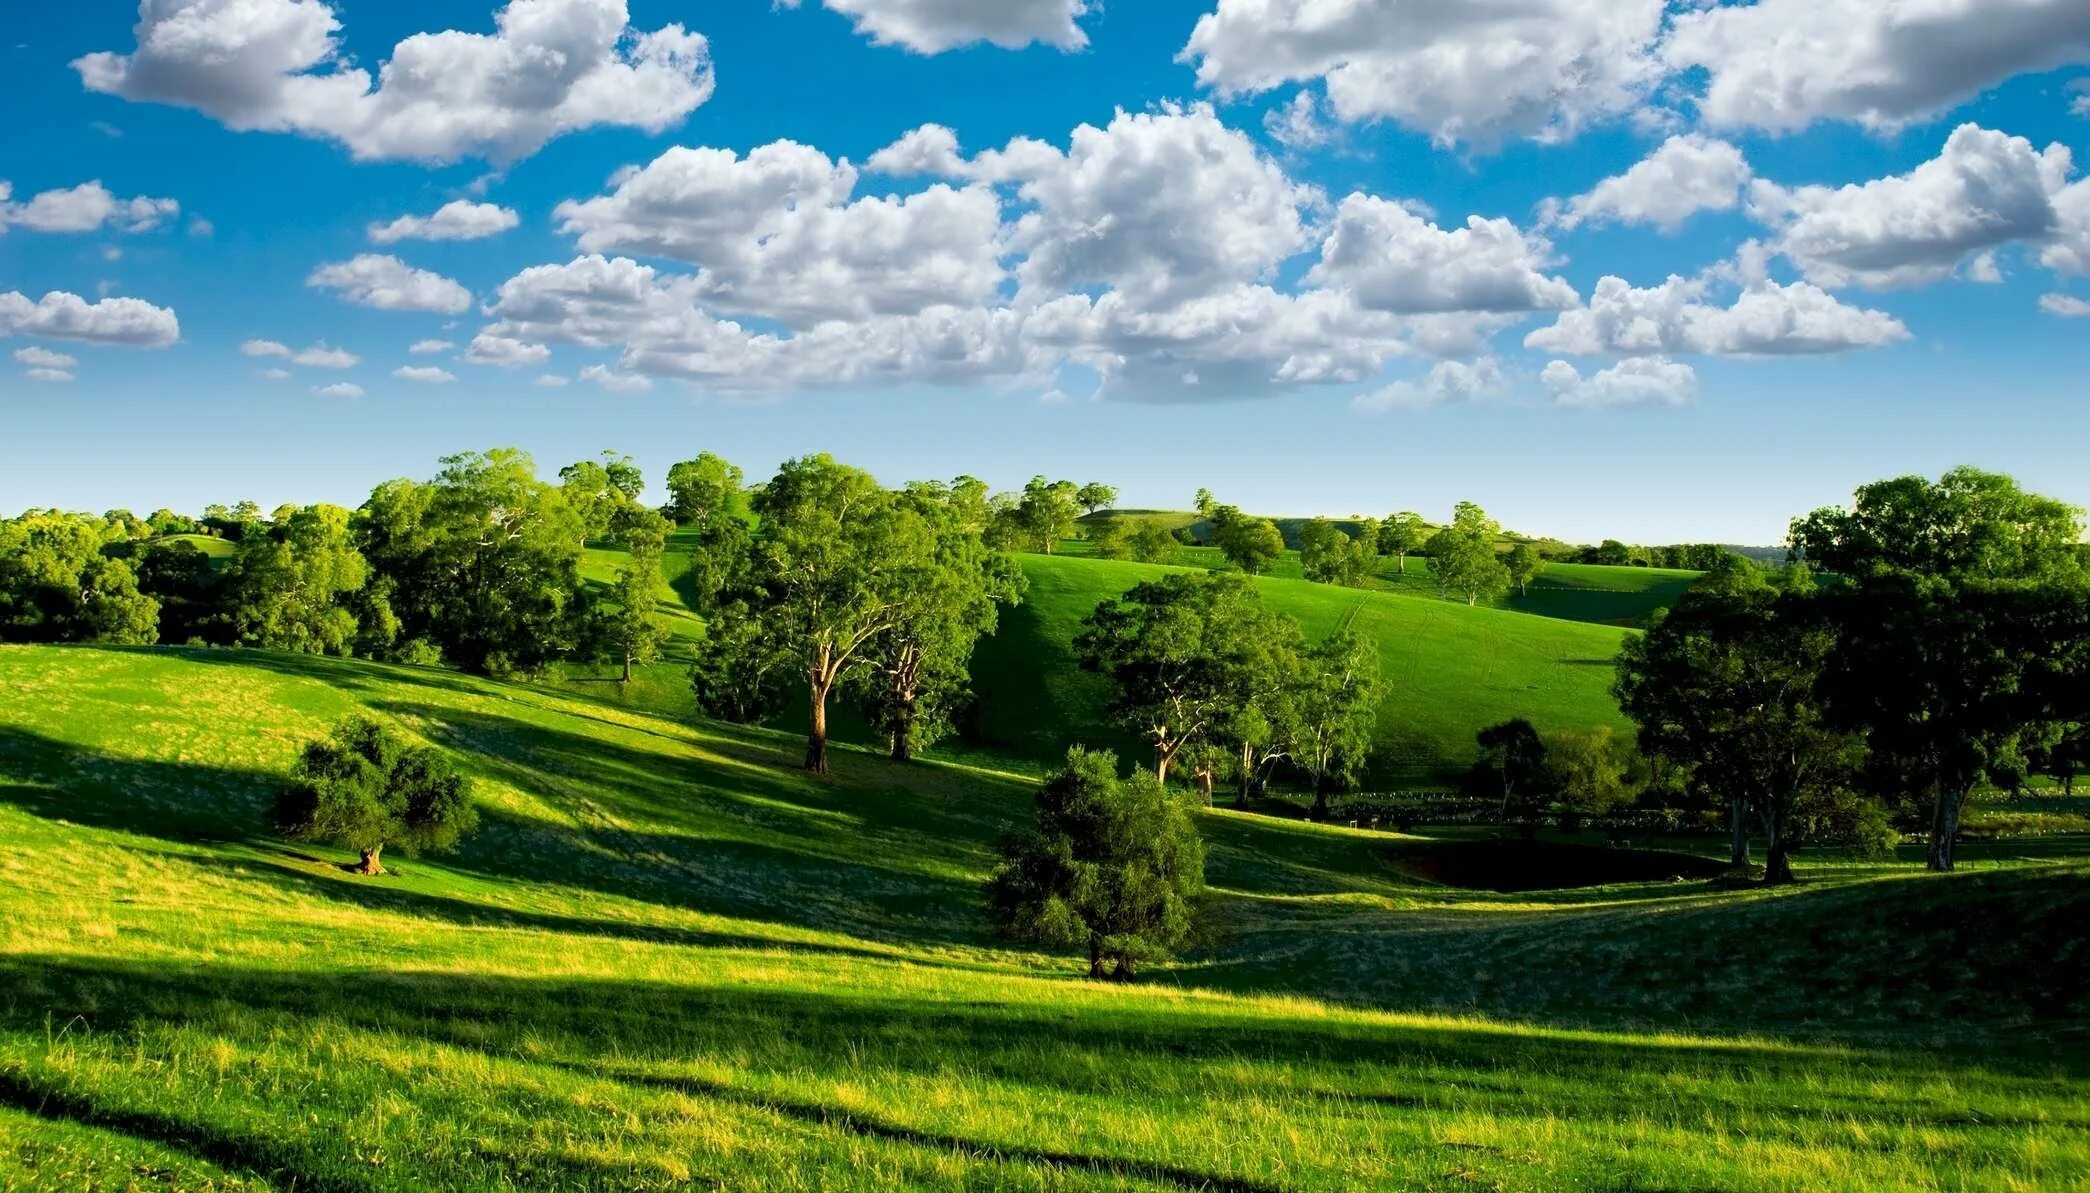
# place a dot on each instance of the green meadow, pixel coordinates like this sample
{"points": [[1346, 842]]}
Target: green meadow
{"points": [[667, 960]]}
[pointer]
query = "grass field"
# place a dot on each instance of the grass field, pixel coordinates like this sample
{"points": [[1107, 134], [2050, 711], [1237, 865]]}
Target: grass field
{"points": [[1449, 670], [667, 960]]}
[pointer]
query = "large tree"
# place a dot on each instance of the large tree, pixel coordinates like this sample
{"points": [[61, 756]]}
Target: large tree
{"points": [[1939, 607], [61, 582], [601, 492], [1525, 564], [295, 582], [1463, 558], [1400, 536], [1334, 710], [1511, 766], [1114, 865], [1096, 496], [1251, 544], [1047, 512], [1730, 685], [633, 633], [1330, 555], [366, 787], [918, 669], [836, 563], [483, 562], [1177, 650]]}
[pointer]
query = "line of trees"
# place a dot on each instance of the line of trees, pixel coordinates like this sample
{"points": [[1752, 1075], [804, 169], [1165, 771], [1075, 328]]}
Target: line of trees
{"points": [[1928, 638]]}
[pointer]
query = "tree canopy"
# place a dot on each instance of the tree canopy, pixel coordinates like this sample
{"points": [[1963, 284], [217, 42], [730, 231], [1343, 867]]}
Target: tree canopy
{"points": [[366, 787], [1112, 864]]}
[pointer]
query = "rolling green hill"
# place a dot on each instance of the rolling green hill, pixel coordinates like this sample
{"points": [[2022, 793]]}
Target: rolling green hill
{"points": [[669, 960], [1449, 670]]}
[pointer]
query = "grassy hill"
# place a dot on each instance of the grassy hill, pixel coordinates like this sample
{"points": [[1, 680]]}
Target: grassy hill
{"points": [[669, 960], [1449, 670]]}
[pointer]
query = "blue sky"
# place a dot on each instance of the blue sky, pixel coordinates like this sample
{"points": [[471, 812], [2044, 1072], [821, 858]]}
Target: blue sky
{"points": [[1171, 244]]}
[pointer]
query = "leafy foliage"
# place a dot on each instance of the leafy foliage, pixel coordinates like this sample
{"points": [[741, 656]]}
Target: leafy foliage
{"points": [[366, 787], [1113, 864], [59, 583]]}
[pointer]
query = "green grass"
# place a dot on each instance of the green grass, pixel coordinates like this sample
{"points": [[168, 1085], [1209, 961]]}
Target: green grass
{"points": [[668, 960], [1449, 670]]}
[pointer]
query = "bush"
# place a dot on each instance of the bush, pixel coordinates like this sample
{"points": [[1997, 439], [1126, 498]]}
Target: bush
{"points": [[365, 787]]}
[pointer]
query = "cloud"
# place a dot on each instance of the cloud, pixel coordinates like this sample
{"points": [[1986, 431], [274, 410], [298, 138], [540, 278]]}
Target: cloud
{"points": [[430, 347], [622, 383], [264, 348], [930, 150], [505, 352], [126, 322], [339, 389], [1638, 381], [1766, 319], [778, 234], [1392, 259], [550, 381], [2065, 305], [1983, 190], [1457, 70], [426, 376], [1781, 65], [319, 356], [88, 207], [1161, 206], [1448, 381], [274, 374], [933, 26], [1687, 175], [551, 67], [2068, 250], [389, 284], [43, 358], [1298, 125], [2080, 104], [460, 220], [55, 376]]}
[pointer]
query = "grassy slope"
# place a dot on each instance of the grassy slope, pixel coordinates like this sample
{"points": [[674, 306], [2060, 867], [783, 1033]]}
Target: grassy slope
{"points": [[666, 960], [1449, 670]]}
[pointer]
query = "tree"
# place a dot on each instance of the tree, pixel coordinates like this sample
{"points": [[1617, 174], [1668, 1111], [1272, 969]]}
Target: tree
{"points": [[1250, 544], [1330, 556], [705, 488], [1153, 543], [1095, 496], [1113, 864], [1110, 538], [1176, 650], [1587, 770], [1612, 553], [2067, 756], [1943, 621], [1731, 686], [919, 668], [635, 634], [1047, 512], [483, 562], [1463, 559], [365, 787], [293, 584], [1512, 764], [1334, 712], [1401, 536], [1524, 564], [836, 563], [59, 584], [1204, 504], [600, 493], [181, 578]]}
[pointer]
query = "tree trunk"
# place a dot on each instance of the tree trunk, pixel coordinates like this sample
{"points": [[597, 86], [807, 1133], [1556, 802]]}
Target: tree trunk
{"points": [[1207, 776], [627, 672], [903, 746], [1777, 853], [1944, 828], [816, 735], [1096, 971], [1738, 811], [372, 863]]}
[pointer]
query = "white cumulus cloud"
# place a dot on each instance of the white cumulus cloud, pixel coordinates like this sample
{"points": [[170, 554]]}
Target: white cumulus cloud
{"points": [[424, 375], [389, 284], [1457, 70], [1637, 381], [89, 207], [933, 26], [43, 358], [1688, 174], [2068, 306], [1391, 259], [550, 67], [1782, 65], [1766, 319], [126, 322], [459, 220], [1447, 381], [340, 389]]}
